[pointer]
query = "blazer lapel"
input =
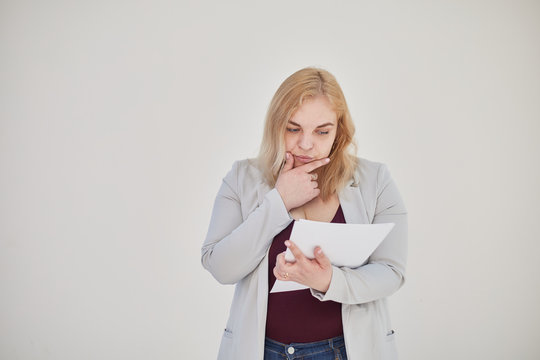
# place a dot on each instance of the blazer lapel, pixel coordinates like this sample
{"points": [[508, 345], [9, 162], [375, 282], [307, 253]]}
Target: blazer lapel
{"points": [[353, 206]]}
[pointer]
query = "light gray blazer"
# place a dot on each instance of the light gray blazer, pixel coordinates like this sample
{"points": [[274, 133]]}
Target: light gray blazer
{"points": [[248, 214]]}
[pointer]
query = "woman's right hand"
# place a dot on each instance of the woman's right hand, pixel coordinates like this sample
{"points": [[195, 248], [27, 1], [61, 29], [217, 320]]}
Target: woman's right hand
{"points": [[296, 185]]}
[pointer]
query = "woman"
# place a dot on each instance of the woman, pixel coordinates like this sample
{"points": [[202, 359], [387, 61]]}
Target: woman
{"points": [[305, 170]]}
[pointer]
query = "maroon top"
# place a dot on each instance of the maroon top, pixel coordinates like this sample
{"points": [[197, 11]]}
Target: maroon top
{"points": [[297, 316]]}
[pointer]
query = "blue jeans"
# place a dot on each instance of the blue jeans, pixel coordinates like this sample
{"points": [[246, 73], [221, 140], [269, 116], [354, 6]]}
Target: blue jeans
{"points": [[331, 349]]}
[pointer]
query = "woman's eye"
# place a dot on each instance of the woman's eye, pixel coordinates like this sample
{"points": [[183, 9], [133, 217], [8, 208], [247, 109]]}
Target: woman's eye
{"points": [[292, 130], [323, 132]]}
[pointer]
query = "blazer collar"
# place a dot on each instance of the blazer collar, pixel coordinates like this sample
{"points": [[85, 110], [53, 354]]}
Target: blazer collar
{"points": [[350, 198]]}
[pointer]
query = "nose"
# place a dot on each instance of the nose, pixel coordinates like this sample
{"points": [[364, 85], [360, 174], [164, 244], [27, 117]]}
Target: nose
{"points": [[305, 142]]}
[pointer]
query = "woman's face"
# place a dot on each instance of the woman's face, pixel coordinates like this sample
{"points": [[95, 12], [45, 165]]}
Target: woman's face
{"points": [[311, 131]]}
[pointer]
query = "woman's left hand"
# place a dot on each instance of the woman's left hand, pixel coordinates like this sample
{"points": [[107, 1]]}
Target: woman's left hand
{"points": [[315, 273]]}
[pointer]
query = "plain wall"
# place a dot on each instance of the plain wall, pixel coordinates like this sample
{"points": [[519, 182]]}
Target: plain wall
{"points": [[119, 120]]}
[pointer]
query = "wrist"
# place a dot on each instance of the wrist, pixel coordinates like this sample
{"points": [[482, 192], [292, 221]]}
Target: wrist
{"points": [[325, 285], [287, 206]]}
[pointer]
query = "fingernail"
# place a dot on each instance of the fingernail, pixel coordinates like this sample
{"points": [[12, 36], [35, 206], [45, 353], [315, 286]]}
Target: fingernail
{"points": [[327, 160], [287, 156], [319, 251], [287, 243]]}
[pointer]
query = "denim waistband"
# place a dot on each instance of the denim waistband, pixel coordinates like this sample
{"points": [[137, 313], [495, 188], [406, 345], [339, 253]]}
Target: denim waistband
{"points": [[305, 348]]}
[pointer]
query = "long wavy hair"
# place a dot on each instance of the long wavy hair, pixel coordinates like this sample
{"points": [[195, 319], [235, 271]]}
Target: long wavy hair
{"points": [[301, 86]]}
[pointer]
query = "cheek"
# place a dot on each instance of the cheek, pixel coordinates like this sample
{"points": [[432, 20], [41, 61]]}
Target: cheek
{"points": [[327, 146], [289, 143]]}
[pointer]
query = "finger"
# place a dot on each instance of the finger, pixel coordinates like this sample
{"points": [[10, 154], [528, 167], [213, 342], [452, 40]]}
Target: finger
{"points": [[298, 255], [280, 259], [321, 258], [314, 184], [279, 275], [276, 273], [289, 162], [309, 167]]}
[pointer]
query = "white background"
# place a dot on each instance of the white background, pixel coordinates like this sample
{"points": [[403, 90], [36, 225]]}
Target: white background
{"points": [[119, 120]]}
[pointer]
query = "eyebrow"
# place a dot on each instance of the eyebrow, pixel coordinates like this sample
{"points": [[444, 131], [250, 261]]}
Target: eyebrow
{"points": [[320, 126]]}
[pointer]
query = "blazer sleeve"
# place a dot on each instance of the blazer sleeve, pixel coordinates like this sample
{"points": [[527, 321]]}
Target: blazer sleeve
{"points": [[384, 273], [234, 246]]}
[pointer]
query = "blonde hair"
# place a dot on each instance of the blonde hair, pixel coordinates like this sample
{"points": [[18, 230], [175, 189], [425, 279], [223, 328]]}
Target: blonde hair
{"points": [[303, 85]]}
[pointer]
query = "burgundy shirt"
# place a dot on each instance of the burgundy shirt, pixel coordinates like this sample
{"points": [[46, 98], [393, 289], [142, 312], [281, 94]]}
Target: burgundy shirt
{"points": [[297, 316]]}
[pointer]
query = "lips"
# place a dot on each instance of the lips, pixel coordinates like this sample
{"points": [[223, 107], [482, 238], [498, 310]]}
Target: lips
{"points": [[303, 159]]}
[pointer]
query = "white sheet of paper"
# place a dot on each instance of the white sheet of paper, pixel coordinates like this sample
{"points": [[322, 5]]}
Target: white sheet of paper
{"points": [[344, 244]]}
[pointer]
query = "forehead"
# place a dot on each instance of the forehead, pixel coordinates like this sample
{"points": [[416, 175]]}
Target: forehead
{"points": [[314, 112]]}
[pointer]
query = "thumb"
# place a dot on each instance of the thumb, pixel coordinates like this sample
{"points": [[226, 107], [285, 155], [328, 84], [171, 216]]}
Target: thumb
{"points": [[289, 162], [322, 259]]}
